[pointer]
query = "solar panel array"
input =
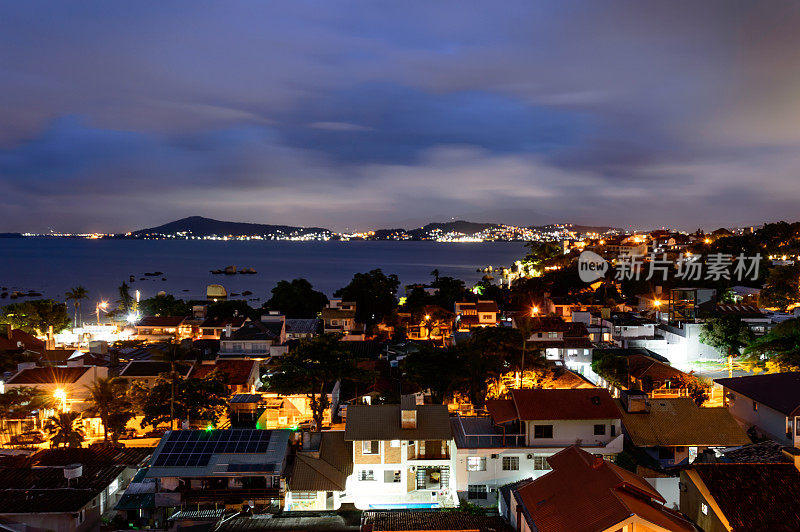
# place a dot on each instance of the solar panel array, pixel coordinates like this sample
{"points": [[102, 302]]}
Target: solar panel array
{"points": [[194, 448]]}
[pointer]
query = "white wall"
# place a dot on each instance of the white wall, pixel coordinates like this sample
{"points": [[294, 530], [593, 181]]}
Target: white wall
{"points": [[769, 421], [567, 432]]}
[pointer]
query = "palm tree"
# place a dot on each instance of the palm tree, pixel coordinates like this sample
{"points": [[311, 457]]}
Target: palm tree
{"points": [[173, 353], [105, 397], [76, 295], [64, 429], [525, 326]]}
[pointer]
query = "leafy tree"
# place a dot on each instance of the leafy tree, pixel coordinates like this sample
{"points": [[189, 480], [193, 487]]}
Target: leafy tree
{"points": [[699, 390], [433, 369], [64, 429], [297, 299], [36, 315], [194, 399], [126, 301], [312, 367], [540, 253], [477, 369], [781, 346], [109, 401], [611, 367], [229, 309], [374, 294], [173, 352], [165, 305], [22, 402], [782, 288], [76, 295], [727, 334]]}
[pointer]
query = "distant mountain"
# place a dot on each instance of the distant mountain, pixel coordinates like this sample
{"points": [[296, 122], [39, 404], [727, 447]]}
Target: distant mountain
{"points": [[458, 226], [576, 228], [202, 227]]}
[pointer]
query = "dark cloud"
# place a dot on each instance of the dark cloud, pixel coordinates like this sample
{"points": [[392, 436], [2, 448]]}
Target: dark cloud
{"points": [[123, 114]]}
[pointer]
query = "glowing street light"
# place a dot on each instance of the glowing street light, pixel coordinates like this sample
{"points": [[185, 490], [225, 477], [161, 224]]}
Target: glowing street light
{"points": [[132, 317], [61, 395], [534, 312], [101, 305], [657, 303]]}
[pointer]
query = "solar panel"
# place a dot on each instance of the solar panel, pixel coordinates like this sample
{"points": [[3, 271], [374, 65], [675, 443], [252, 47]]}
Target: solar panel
{"points": [[190, 448]]}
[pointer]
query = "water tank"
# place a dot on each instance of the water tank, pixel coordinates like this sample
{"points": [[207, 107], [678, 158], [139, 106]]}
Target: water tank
{"points": [[73, 471]]}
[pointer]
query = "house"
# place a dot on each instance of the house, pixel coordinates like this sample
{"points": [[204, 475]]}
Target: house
{"points": [[430, 521], [514, 441], [431, 323], [241, 376], [339, 317], [483, 313], [68, 383], [673, 432], [147, 371], [584, 493], [65, 489], [687, 305], [402, 454], [161, 328], [287, 411], [567, 342], [302, 329], [256, 340], [741, 497], [212, 328], [768, 404], [318, 477], [16, 339], [206, 469]]}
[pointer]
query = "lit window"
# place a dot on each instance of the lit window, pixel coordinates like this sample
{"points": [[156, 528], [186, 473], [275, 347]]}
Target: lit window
{"points": [[395, 443], [540, 463], [476, 463], [370, 447], [510, 463], [366, 474], [704, 508]]}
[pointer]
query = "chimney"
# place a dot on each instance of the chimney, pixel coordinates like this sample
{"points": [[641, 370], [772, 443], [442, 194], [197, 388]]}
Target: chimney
{"points": [[408, 412], [228, 330]]}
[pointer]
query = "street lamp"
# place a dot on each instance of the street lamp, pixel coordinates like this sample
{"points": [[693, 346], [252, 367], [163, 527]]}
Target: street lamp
{"points": [[534, 312], [61, 395], [102, 305]]}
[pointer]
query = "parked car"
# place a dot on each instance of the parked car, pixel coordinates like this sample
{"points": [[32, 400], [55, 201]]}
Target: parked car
{"points": [[31, 437], [156, 432]]}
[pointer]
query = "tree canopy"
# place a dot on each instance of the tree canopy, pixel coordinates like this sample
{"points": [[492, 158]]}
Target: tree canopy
{"points": [[296, 299], [779, 348], [164, 305], [36, 315], [374, 294], [195, 399]]}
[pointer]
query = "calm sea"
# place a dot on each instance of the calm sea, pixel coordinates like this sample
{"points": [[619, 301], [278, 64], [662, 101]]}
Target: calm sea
{"points": [[53, 265]]}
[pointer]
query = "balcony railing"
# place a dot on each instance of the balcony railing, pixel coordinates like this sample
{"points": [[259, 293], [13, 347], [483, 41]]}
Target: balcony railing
{"points": [[199, 496], [495, 440], [428, 456]]}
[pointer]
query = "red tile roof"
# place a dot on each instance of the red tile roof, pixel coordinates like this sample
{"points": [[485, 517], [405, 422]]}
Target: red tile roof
{"points": [[641, 365], [18, 336], [49, 375], [501, 410], [585, 403], [585, 493], [238, 371]]}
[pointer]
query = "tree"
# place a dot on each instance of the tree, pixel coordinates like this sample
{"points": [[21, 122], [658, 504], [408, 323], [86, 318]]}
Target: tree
{"points": [[312, 367], [540, 253], [64, 429], [374, 294], [780, 347], [173, 352], [727, 334], [191, 399], [611, 367], [297, 299], [21, 402], [36, 316], [698, 389], [782, 287], [109, 401], [433, 369], [126, 301], [76, 295], [164, 305]]}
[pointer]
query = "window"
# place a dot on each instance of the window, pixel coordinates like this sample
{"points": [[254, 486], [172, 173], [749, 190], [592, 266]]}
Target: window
{"points": [[304, 495], [366, 474], [599, 430], [704, 508], [540, 463], [552, 335], [476, 463], [511, 463], [370, 447], [613, 430], [543, 431], [476, 491], [390, 477], [395, 443]]}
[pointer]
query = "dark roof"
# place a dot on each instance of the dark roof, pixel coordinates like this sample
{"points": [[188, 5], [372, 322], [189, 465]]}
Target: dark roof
{"points": [[363, 348], [151, 368], [324, 469], [49, 375], [754, 496], [302, 326], [44, 490], [290, 521], [18, 336], [765, 452], [216, 323], [779, 391], [382, 422], [626, 352], [640, 366], [584, 493], [247, 398], [576, 403], [741, 311], [256, 330], [160, 321], [100, 455], [680, 422], [448, 520], [237, 371]]}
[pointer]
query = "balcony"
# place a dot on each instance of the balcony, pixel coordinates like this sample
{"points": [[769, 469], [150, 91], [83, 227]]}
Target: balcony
{"points": [[412, 455], [229, 496]]}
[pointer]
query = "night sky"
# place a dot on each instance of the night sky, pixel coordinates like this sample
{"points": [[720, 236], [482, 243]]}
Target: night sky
{"points": [[121, 115]]}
